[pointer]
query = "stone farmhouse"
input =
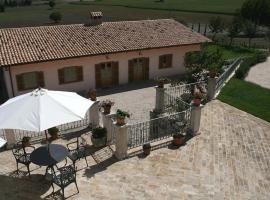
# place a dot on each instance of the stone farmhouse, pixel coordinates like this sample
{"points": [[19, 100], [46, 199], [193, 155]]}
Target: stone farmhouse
{"points": [[99, 54]]}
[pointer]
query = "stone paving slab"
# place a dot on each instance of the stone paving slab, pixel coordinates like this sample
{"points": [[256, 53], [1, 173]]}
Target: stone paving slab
{"points": [[230, 159]]}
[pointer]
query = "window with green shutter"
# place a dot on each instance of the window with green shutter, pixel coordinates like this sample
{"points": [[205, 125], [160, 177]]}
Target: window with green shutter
{"points": [[165, 61], [70, 74], [30, 80]]}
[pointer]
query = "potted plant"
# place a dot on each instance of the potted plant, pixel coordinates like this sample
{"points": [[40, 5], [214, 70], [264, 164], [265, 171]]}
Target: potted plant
{"points": [[99, 136], [120, 117], [161, 82], [146, 149], [197, 98], [93, 94], [26, 141], [53, 133], [178, 139], [106, 105]]}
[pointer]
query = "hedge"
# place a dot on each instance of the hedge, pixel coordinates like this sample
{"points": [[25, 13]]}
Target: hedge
{"points": [[248, 62]]}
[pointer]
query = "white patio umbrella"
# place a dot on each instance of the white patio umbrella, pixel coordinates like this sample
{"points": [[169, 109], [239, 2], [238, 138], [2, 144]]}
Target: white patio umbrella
{"points": [[2, 142], [42, 109]]}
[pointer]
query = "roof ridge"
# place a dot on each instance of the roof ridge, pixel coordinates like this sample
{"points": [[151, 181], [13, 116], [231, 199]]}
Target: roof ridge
{"points": [[105, 22]]}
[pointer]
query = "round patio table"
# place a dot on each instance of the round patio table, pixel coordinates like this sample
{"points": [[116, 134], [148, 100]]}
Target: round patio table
{"points": [[49, 155]]}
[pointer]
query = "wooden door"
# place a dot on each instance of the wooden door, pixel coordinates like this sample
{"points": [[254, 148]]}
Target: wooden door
{"points": [[107, 74], [138, 69]]}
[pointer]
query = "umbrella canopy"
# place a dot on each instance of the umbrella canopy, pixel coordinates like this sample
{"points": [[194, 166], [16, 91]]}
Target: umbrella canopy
{"points": [[2, 142], [42, 109]]}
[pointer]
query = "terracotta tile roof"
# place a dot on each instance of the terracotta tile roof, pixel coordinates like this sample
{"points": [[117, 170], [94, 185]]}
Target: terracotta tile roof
{"points": [[36, 44]]}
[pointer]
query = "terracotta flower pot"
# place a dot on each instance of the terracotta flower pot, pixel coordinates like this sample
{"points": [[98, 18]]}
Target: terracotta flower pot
{"points": [[120, 121], [107, 109], [25, 143], [93, 97], [178, 140], [196, 102], [146, 152], [146, 149]]}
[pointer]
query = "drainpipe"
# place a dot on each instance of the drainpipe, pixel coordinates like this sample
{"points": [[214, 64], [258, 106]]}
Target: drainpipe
{"points": [[11, 82]]}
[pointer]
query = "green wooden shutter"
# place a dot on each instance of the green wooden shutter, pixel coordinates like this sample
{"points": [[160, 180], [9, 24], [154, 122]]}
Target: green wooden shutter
{"points": [[160, 62], [169, 60], [79, 71], [115, 73], [146, 68], [130, 70], [61, 76], [41, 82], [19, 80], [98, 75]]}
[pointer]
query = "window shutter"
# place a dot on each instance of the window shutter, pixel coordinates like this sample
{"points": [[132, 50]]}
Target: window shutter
{"points": [[146, 68], [19, 80], [169, 60], [160, 62], [130, 70], [40, 78], [115, 73], [98, 75], [79, 71], [61, 77]]}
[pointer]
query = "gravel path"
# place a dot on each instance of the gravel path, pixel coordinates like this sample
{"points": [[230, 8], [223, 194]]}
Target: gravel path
{"points": [[260, 74]]}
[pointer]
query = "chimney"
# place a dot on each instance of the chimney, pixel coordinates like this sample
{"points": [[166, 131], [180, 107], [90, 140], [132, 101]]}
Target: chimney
{"points": [[95, 18]]}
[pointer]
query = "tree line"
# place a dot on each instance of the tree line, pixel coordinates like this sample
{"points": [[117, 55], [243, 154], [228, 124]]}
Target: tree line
{"points": [[253, 13]]}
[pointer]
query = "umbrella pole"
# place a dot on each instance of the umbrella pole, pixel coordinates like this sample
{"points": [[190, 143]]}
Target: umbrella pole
{"points": [[46, 135]]}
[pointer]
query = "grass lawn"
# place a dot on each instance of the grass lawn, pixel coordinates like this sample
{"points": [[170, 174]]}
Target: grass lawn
{"points": [[211, 6], [248, 97], [38, 14], [231, 52]]}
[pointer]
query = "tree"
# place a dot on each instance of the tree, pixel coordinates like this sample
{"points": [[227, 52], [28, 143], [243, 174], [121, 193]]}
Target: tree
{"points": [[216, 25], [2, 7], [257, 11], [51, 4], [250, 30], [56, 17], [235, 27]]}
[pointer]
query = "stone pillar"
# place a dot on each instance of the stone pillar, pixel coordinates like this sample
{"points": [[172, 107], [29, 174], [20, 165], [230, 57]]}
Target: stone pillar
{"points": [[94, 114], [108, 124], [195, 119], [10, 138], [160, 104], [211, 88], [121, 141]]}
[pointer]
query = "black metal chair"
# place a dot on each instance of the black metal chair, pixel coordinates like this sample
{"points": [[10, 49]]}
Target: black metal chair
{"points": [[63, 177], [22, 155], [77, 150]]}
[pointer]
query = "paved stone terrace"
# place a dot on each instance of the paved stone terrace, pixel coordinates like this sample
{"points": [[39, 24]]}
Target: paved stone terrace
{"points": [[230, 159]]}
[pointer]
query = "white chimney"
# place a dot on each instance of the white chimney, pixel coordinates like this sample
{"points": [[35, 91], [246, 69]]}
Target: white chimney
{"points": [[95, 18]]}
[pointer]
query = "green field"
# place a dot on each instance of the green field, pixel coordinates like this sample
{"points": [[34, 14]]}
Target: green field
{"points": [[212, 6], [78, 12], [229, 52], [248, 97]]}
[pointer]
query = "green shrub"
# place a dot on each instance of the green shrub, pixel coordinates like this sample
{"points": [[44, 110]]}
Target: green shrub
{"points": [[248, 62], [56, 17], [99, 132]]}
